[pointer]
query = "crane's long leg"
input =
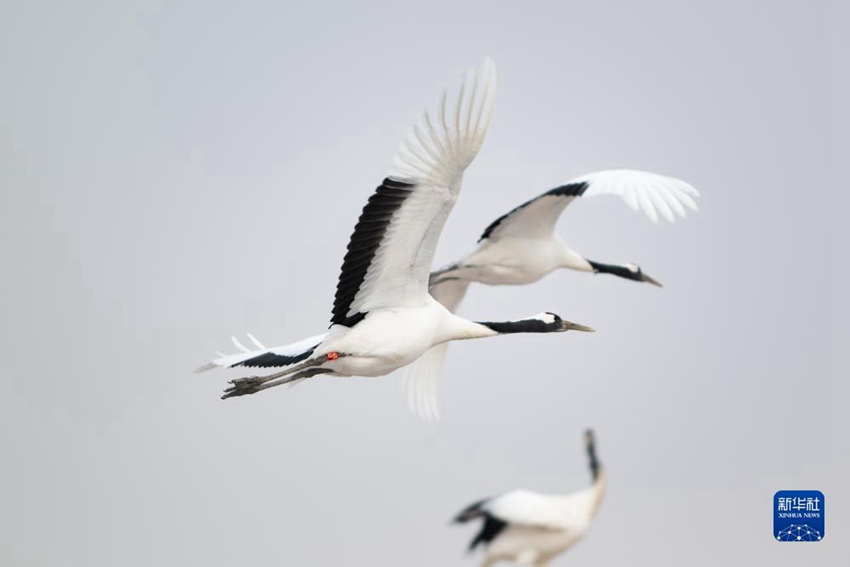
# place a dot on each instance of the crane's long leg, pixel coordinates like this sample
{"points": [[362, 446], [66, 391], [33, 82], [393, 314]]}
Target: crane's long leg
{"points": [[252, 384], [309, 373], [246, 389]]}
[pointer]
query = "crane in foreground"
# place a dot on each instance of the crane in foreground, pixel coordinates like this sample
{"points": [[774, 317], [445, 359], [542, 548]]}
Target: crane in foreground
{"points": [[383, 317]]}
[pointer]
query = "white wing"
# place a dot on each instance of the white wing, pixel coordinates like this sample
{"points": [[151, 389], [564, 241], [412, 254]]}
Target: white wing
{"points": [[263, 357], [526, 508], [422, 382], [391, 251], [652, 193], [422, 376], [449, 292]]}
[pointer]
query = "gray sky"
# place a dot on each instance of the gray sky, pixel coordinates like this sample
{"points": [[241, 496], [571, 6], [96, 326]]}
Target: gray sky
{"points": [[173, 173]]}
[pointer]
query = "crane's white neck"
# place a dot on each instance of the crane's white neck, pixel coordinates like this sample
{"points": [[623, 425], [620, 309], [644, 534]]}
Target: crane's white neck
{"points": [[598, 491], [572, 260], [460, 329]]}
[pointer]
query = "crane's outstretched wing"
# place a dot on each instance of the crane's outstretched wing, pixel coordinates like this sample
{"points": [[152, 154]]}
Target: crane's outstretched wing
{"points": [[262, 357], [520, 508], [390, 253], [491, 526], [422, 376], [652, 193]]}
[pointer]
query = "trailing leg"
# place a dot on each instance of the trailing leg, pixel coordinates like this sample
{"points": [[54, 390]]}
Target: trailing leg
{"points": [[253, 384]]}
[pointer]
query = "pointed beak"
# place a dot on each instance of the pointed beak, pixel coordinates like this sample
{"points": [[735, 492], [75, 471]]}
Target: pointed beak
{"points": [[645, 278], [567, 326]]}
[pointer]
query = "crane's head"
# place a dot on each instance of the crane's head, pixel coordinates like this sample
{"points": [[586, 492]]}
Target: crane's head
{"points": [[628, 271], [559, 325], [548, 322]]}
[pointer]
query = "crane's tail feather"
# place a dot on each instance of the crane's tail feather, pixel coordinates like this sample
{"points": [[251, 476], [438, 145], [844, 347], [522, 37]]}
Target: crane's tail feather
{"points": [[262, 357]]}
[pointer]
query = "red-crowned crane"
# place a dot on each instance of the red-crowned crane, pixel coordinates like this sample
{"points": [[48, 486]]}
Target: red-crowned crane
{"points": [[383, 316]]}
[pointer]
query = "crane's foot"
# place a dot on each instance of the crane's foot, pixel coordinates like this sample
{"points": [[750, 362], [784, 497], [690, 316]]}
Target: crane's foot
{"points": [[247, 381], [253, 384], [244, 386]]}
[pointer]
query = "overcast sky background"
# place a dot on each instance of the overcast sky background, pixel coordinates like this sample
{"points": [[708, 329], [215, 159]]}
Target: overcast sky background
{"points": [[173, 173]]}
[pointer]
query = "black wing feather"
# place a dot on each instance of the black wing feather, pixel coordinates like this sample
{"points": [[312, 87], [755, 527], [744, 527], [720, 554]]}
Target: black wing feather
{"points": [[272, 360], [364, 243], [490, 528], [568, 190]]}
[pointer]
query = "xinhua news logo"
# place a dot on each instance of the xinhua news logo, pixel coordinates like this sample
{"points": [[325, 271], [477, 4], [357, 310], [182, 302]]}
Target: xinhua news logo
{"points": [[798, 515]]}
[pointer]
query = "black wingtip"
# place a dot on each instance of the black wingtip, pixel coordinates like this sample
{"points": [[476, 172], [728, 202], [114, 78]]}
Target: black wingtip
{"points": [[491, 527], [368, 234], [569, 190]]}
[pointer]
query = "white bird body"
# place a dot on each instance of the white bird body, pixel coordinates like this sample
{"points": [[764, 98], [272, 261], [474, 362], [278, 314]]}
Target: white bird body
{"points": [[383, 316], [388, 339], [521, 247], [530, 528], [545, 525], [509, 262]]}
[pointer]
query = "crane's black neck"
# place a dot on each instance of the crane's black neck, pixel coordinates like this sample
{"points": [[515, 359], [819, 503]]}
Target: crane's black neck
{"points": [[615, 270], [524, 326], [593, 461]]}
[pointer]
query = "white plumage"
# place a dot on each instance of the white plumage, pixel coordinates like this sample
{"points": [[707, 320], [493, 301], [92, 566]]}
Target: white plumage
{"points": [[522, 246], [529, 528], [383, 316]]}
